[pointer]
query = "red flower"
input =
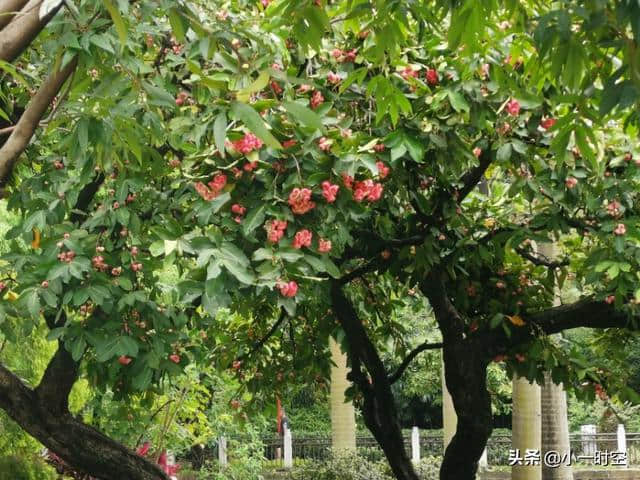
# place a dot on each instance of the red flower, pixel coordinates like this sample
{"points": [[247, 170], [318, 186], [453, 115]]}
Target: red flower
{"points": [[610, 299], [214, 187], [289, 143], [275, 230], [124, 360], [247, 144], [329, 191], [142, 451], [288, 289], [238, 209], [316, 99], [300, 201], [432, 77], [383, 170], [513, 107], [347, 180], [408, 72], [175, 358], [379, 147], [333, 78], [571, 182], [367, 190], [302, 239], [547, 123], [276, 87], [324, 246], [477, 151]]}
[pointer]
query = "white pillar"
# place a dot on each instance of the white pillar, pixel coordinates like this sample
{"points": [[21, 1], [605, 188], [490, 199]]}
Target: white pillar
{"points": [[415, 445], [622, 444], [222, 450], [484, 462], [588, 437], [288, 451]]}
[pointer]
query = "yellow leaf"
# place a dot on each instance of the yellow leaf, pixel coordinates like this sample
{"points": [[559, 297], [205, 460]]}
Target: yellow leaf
{"points": [[517, 320], [35, 244]]}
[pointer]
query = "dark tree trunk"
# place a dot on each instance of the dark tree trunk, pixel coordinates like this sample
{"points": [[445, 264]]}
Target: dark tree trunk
{"points": [[465, 375], [43, 413], [379, 408]]}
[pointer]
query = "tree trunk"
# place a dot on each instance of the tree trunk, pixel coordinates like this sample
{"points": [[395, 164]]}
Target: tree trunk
{"points": [[449, 418], [466, 379], [43, 413], [343, 419], [8, 8], [378, 406], [555, 429], [525, 426]]}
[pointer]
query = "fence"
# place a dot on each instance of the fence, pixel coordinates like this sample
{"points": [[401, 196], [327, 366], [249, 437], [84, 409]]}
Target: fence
{"points": [[284, 451]]}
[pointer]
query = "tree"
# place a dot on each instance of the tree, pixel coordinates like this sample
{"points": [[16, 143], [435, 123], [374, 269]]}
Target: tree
{"points": [[295, 157]]}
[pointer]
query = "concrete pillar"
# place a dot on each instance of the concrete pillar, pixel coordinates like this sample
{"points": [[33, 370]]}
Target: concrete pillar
{"points": [[526, 429], [343, 416], [415, 445]]}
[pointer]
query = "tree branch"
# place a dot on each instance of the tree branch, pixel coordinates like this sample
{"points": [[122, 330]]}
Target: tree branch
{"points": [[26, 126], [541, 260], [23, 29], [474, 176], [409, 358], [263, 340], [8, 9]]}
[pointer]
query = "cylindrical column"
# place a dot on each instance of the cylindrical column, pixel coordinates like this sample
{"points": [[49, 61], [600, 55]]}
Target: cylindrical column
{"points": [[415, 445], [555, 430], [288, 449], [343, 417], [526, 431]]}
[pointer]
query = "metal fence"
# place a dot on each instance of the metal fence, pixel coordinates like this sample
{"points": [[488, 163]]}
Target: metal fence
{"points": [[318, 447]]}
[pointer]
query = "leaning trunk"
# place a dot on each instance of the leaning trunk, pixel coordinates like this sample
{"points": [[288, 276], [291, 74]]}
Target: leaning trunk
{"points": [[43, 413]]}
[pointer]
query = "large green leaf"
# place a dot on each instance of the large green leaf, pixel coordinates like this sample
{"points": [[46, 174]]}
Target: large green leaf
{"points": [[255, 123]]}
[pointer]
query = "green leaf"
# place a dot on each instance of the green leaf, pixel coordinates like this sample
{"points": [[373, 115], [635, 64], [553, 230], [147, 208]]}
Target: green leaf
{"points": [[178, 25], [458, 102], [118, 23], [32, 300], [504, 153], [254, 219], [220, 132], [304, 115], [257, 85], [255, 123], [78, 347]]}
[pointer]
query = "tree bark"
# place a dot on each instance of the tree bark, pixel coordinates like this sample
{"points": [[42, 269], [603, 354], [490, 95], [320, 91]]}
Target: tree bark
{"points": [[23, 29], [378, 407], [43, 413], [8, 8], [26, 126]]}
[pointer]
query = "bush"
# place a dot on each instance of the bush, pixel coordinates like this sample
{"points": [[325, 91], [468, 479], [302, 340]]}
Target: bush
{"points": [[341, 467], [26, 468]]}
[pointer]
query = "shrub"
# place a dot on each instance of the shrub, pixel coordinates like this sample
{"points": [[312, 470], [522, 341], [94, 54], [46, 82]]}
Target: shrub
{"points": [[26, 468], [341, 467]]}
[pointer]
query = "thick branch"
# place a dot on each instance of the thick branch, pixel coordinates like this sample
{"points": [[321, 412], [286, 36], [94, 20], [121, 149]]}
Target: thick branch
{"points": [[409, 358], [24, 28], [474, 176], [542, 260], [26, 126], [449, 320], [8, 9]]}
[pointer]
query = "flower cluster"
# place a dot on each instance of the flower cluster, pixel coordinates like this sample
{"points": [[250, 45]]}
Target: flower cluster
{"points": [[620, 229], [288, 289], [367, 190], [316, 99], [300, 201], [329, 191], [67, 256], [239, 211], [325, 143], [513, 107], [344, 56], [613, 208], [383, 170], [302, 239], [214, 187], [247, 144], [275, 230], [324, 245], [409, 72], [333, 78], [432, 77]]}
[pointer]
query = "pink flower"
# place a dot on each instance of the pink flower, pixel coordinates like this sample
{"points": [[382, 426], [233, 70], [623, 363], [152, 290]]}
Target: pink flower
{"points": [[610, 299], [289, 143], [325, 143], [142, 451], [175, 358], [276, 87], [302, 239], [316, 99], [347, 180], [300, 201], [275, 230], [333, 78], [304, 88], [620, 229], [324, 246], [247, 144], [432, 77], [477, 151], [408, 72], [614, 208], [336, 53], [383, 170], [124, 360], [513, 107], [288, 289], [571, 182], [265, 3], [250, 166], [367, 190], [379, 147], [329, 191], [213, 188]]}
